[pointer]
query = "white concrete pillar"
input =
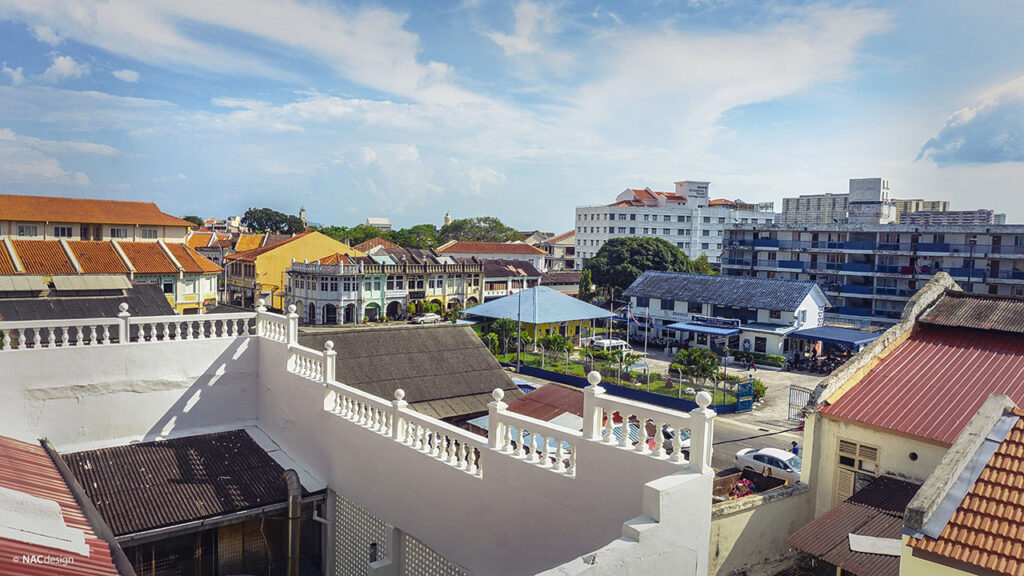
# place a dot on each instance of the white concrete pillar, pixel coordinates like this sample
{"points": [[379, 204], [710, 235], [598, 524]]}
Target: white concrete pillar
{"points": [[592, 413], [495, 431], [397, 424], [293, 326], [392, 565], [330, 361], [702, 432], [124, 335]]}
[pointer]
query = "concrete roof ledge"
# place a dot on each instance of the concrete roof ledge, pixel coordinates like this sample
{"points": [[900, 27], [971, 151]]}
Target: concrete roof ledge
{"points": [[857, 367], [947, 475]]}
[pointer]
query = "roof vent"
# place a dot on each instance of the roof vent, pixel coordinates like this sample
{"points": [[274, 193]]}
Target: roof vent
{"points": [[34, 520]]}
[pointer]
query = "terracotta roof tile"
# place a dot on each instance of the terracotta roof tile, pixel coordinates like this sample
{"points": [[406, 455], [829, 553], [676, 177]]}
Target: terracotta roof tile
{"points": [[190, 260], [84, 210], [489, 248], [28, 468], [200, 239], [374, 242], [560, 237], [97, 257], [42, 257], [6, 265], [987, 528], [148, 258], [248, 242], [936, 363]]}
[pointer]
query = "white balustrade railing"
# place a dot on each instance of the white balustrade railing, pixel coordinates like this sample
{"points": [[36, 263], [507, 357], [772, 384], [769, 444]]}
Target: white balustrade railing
{"points": [[306, 363], [547, 445], [359, 407], [20, 335], [199, 327]]}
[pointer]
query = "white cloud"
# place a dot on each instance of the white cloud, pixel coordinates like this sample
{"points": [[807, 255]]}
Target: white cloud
{"points": [[30, 161], [126, 75], [481, 180], [989, 131], [17, 74], [46, 35], [64, 67], [532, 22], [370, 46]]}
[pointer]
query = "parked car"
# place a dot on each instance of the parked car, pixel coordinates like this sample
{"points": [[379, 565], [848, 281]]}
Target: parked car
{"points": [[428, 318], [778, 463], [608, 345]]}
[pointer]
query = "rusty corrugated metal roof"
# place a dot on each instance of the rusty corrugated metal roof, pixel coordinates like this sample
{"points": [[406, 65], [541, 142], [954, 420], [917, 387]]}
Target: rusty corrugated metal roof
{"points": [[933, 384], [549, 401], [155, 484], [979, 311], [987, 529], [28, 468], [877, 511]]}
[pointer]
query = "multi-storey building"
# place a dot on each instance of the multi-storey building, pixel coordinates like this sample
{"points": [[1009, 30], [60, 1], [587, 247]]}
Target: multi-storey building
{"points": [[918, 205], [342, 289], [869, 271], [504, 277], [811, 209], [684, 218], [52, 218], [495, 251], [561, 251], [952, 218]]}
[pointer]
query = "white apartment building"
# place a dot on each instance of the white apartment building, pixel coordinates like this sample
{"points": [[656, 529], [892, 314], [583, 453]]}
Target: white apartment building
{"points": [[686, 218]]}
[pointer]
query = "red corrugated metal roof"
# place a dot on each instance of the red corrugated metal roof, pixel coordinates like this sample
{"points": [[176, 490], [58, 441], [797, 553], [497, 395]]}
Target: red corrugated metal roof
{"points": [[549, 401], [27, 468], [489, 248], [987, 529], [980, 311], [932, 385]]}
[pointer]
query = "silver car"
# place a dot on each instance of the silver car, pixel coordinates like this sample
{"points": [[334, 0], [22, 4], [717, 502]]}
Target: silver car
{"points": [[778, 463], [428, 318]]}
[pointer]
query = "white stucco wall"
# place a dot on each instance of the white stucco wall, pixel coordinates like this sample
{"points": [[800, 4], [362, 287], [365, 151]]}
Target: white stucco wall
{"points": [[95, 395], [752, 531]]}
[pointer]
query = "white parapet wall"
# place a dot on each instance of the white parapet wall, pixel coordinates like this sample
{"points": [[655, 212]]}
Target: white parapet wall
{"points": [[485, 504]]}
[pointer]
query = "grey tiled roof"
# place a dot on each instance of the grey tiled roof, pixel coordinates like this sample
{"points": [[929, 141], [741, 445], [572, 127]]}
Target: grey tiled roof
{"points": [[739, 291]]}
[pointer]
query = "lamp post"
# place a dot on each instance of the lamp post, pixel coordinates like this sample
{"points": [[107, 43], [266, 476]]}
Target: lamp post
{"points": [[970, 264], [519, 326]]}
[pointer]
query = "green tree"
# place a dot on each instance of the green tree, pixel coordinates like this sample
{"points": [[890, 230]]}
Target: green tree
{"points": [[454, 313], [586, 288], [622, 260], [702, 265], [423, 236], [293, 225], [199, 223], [362, 233], [339, 233], [555, 343], [697, 363], [268, 220], [491, 341], [481, 229]]}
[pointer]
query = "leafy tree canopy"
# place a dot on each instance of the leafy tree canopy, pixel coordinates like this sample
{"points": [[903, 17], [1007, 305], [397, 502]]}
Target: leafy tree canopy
{"points": [[268, 220], [419, 236], [354, 235], [586, 287], [702, 265], [622, 260], [481, 229], [195, 220]]}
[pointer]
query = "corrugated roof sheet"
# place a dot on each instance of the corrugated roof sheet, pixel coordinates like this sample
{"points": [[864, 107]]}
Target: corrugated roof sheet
{"points": [[429, 363], [509, 269], [979, 311], [83, 210], [538, 305], [150, 485], [28, 468], [43, 257], [142, 300], [876, 510], [561, 277], [148, 258], [933, 384], [987, 529], [738, 291], [489, 248], [549, 401], [97, 257]]}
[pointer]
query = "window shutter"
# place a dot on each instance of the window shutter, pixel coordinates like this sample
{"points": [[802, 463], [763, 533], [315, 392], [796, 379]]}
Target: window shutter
{"points": [[847, 448], [844, 485]]}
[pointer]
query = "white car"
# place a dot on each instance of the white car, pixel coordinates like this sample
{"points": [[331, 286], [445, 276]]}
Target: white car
{"points": [[778, 463], [428, 318]]}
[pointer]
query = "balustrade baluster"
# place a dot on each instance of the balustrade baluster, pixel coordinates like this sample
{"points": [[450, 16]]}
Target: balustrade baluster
{"points": [[677, 445], [451, 450], [462, 456], [21, 339], [572, 460], [609, 426], [51, 338], [535, 442], [37, 337], [7, 340], [64, 336], [557, 464], [79, 336], [506, 440], [106, 334], [188, 330], [92, 335], [624, 440], [659, 441], [471, 460]]}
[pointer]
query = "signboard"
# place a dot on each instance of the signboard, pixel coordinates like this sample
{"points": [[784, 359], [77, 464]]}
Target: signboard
{"points": [[712, 321], [718, 346], [745, 395]]}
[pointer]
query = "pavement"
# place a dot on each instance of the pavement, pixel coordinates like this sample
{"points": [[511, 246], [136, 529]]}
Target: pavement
{"points": [[768, 425]]}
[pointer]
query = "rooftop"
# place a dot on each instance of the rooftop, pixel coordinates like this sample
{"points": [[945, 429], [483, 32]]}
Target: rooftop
{"points": [[142, 300], [48, 258], [739, 291], [979, 311], [489, 248], [538, 305], [509, 269], [83, 210]]}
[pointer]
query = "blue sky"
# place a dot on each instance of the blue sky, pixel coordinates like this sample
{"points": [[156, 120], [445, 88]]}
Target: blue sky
{"points": [[521, 110]]}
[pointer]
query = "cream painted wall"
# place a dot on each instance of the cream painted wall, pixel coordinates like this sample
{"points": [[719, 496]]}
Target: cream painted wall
{"points": [[911, 565], [893, 453], [753, 530]]}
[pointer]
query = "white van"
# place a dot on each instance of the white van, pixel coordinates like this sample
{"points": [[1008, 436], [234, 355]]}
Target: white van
{"points": [[606, 345]]}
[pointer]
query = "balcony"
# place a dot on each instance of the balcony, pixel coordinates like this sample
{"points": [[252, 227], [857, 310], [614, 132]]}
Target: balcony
{"points": [[792, 264], [854, 311], [855, 289], [857, 267], [766, 243]]}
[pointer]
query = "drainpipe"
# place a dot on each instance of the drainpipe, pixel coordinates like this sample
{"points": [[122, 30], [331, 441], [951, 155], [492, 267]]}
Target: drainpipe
{"points": [[294, 513]]}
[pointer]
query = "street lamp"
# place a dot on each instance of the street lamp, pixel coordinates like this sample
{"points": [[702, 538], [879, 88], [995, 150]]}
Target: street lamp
{"points": [[519, 325], [970, 264]]}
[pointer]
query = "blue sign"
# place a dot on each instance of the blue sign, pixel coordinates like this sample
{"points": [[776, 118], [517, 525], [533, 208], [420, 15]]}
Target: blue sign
{"points": [[712, 321], [745, 395]]}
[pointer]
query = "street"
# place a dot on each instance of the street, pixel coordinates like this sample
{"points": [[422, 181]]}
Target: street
{"points": [[732, 435]]}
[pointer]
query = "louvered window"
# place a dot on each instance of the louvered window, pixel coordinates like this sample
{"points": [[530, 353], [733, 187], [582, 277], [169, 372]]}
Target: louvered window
{"points": [[856, 466]]}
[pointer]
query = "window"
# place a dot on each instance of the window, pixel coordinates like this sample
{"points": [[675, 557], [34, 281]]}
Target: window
{"points": [[27, 230], [118, 232], [704, 246], [647, 230], [622, 229], [707, 219], [705, 233], [775, 314], [168, 286], [760, 344], [632, 216], [149, 233], [632, 230], [334, 284], [856, 466], [702, 338], [642, 302], [694, 307], [666, 231], [667, 218], [62, 231], [668, 304], [721, 220], [680, 218], [323, 284], [647, 217], [611, 216]]}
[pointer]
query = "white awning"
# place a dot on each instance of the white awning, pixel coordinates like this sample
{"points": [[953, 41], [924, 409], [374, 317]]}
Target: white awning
{"points": [[91, 282], [22, 284]]}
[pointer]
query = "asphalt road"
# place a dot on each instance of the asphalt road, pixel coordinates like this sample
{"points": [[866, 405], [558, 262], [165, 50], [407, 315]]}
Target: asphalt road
{"points": [[732, 436]]}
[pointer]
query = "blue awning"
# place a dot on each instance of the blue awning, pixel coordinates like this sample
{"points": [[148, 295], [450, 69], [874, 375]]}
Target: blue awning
{"points": [[704, 329], [836, 335]]}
